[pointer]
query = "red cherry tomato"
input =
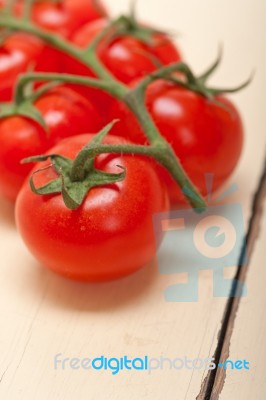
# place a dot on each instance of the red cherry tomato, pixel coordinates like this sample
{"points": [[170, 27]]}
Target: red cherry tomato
{"points": [[19, 53], [62, 17], [126, 57], [65, 112], [66, 16], [206, 137], [22, 52], [111, 235]]}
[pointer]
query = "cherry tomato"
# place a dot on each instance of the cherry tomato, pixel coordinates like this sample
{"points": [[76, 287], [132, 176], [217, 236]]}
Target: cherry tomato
{"points": [[110, 235], [65, 112], [206, 137], [20, 53], [62, 17], [126, 57]]}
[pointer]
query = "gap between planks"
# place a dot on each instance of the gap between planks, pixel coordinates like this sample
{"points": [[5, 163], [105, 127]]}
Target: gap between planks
{"points": [[213, 384]]}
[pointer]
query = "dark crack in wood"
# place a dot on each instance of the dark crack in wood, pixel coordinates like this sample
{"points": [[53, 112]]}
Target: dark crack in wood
{"points": [[213, 384]]}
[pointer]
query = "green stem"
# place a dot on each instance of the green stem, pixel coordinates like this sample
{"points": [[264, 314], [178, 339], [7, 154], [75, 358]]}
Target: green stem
{"points": [[27, 9], [118, 91], [163, 153], [90, 54], [217, 91], [98, 38], [9, 6], [135, 99], [54, 40], [169, 160], [136, 103], [159, 149], [166, 72], [87, 58], [91, 60], [204, 77], [148, 151], [41, 91], [97, 149]]}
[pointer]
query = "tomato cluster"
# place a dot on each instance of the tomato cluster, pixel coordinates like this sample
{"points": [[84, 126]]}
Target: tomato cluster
{"points": [[207, 136], [115, 218]]}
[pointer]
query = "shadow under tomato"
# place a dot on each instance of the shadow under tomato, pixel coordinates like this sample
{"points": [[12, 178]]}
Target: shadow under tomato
{"points": [[90, 297], [7, 216]]}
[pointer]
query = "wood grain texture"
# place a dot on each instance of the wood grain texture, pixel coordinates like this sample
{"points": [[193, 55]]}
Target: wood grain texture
{"points": [[42, 315], [247, 326], [215, 381]]}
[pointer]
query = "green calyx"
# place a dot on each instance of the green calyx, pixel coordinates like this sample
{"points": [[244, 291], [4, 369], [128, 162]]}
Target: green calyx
{"points": [[128, 25], [24, 109], [23, 104], [75, 177], [199, 84]]}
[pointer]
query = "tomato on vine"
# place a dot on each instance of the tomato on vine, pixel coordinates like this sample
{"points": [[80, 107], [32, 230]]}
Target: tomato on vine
{"points": [[206, 134], [130, 53], [19, 53], [62, 17], [96, 227], [179, 107], [64, 112]]}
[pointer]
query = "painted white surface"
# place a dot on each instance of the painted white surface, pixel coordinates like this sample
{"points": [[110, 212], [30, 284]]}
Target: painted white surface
{"points": [[248, 339], [42, 315]]}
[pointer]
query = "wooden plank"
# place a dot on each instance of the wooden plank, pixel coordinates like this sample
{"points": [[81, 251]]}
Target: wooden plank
{"points": [[247, 323], [42, 315], [217, 378], [246, 327]]}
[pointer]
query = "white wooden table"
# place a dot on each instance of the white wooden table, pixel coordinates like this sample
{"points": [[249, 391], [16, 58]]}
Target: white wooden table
{"points": [[42, 315]]}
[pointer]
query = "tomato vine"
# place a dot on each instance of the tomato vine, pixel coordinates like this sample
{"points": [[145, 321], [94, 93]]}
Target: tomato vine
{"points": [[158, 147]]}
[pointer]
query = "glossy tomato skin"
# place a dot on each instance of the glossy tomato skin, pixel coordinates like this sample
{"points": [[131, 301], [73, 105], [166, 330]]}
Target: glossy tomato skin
{"points": [[206, 137], [86, 11], [69, 65], [111, 235], [19, 53], [19, 138], [126, 57], [67, 16], [62, 17], [65, 112]]}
